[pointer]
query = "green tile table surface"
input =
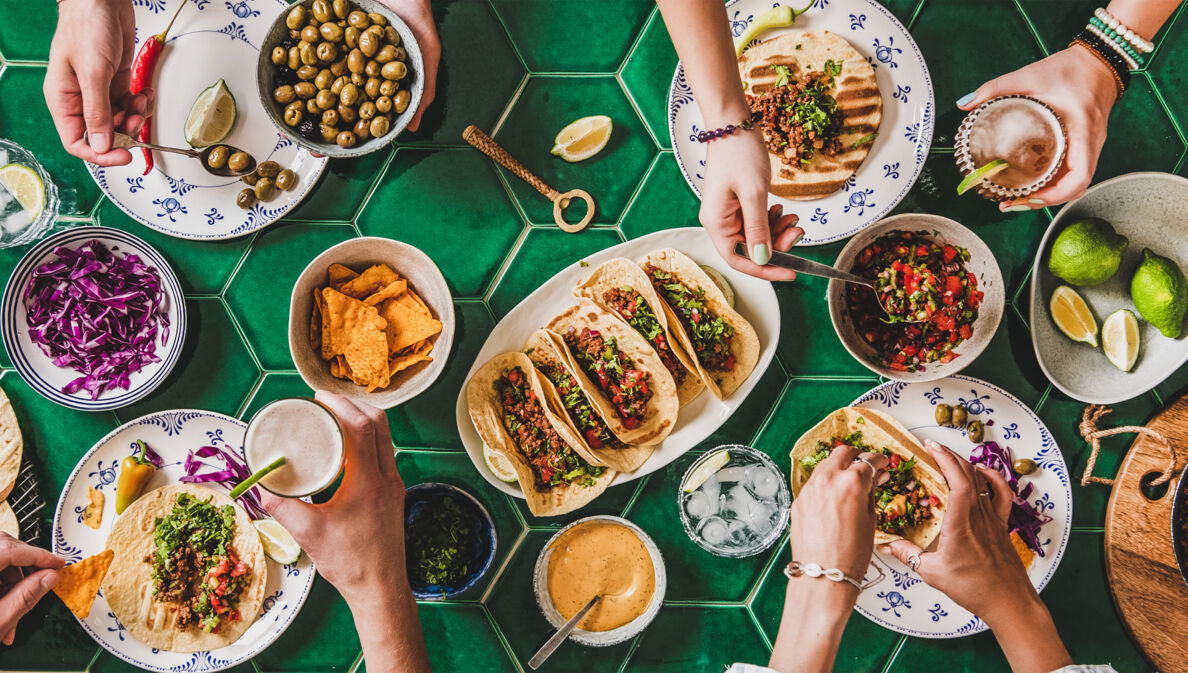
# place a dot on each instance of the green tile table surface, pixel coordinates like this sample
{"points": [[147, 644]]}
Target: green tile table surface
{"points": [[522, 69]]}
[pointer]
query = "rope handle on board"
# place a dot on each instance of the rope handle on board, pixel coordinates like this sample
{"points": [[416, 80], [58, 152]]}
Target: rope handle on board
{"points": [[1089, 419]]}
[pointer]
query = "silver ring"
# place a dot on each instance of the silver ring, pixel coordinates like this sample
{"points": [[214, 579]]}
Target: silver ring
{"points": [[984, 494], [913, 561], [874, 471]]}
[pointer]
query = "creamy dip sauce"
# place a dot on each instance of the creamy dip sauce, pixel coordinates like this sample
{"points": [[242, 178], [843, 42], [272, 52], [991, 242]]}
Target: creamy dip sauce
{"points": [[307, 435], [601, 558]]}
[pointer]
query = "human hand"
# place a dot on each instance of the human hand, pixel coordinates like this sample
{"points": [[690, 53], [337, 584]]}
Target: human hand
{"points": [[1081, 89], [27, 573], [365, 515], [419, 17], [733, 201], [88, 78]]}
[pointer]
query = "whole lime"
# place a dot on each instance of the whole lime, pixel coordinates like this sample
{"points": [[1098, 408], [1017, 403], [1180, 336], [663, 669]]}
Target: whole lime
{"points": [[1160, 293], [1087, 252]]}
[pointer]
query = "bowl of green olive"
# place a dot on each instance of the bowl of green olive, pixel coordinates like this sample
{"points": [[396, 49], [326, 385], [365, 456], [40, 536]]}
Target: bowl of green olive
{"points": [[341, 78]]}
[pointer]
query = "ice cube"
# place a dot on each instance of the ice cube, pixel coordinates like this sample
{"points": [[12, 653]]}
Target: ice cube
{"points": [[699, 505], [740, 534], [13, 218], [739, 502], [731, 474], [761, 482], [712, 488], [713, 530]]}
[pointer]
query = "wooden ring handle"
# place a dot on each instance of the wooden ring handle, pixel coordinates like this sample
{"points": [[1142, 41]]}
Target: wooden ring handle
{"points": [[487, 145], [563, 201]]}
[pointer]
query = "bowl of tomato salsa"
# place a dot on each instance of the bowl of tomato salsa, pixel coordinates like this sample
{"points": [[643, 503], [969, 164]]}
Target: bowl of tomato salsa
{"points": [[938, 300]]}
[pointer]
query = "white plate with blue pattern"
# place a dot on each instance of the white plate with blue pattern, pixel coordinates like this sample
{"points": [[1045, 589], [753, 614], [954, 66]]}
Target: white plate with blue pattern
{"points": [[172, 434], [211, 39], [902, 601], [39, 371], [905, 133]]}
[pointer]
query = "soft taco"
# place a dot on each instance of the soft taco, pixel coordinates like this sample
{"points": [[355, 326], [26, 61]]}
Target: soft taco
{"points": [[507, 405], [621, 287], [189, 572], [723, 345], [819, 106], [569, 401], [911, 504], [621, 374], [11, 446]]}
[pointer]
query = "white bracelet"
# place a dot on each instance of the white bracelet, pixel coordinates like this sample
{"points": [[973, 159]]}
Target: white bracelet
{"points": [[796, 569], [1113, 45], [1137, 41]]}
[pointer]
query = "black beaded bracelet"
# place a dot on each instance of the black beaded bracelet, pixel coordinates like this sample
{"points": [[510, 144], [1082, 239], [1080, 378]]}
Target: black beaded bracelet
{"points": [[744, 125], [1108, 54]]}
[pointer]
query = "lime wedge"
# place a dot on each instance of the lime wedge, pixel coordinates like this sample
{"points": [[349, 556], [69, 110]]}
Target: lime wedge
{"points": [[1072, 315], [211, 117], [583, 138], [499, 464], [1120, 339], [279, 545], [256, 476], [26, 187], [706, 470], [721, 282], [981, 174]]}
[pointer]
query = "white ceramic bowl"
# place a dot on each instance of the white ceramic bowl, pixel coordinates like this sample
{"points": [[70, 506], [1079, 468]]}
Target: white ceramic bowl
{"points": [[423, 276], [540, 586], [981, 263]]}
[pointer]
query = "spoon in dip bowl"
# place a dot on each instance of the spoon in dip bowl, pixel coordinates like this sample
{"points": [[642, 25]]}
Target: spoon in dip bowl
{"points": [[560, 636], [221, 168]]}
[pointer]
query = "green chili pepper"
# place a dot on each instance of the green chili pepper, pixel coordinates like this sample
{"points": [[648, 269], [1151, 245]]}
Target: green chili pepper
{"points": [[135, 472]]}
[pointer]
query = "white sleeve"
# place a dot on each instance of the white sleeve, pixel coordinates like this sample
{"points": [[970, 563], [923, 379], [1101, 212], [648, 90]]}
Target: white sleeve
{"points": [[1087, 668], [752, 668]]}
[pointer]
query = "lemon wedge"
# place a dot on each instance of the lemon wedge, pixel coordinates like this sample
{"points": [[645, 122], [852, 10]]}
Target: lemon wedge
{"points": [[1120, 339], [583, 138], [26, 187], [1072, 315], [981, 174], [499, 464], [279, 545], [706, 470], [211, 116]]}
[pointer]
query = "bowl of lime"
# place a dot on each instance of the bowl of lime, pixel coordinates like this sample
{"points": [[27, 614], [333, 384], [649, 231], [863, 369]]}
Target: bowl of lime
{"points": [[28, 197]]}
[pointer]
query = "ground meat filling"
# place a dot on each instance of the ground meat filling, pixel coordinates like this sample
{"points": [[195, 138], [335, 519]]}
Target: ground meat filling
{"points": [[624, 386], [633, 308], [712, 336], [581, 412], [800, 118]]}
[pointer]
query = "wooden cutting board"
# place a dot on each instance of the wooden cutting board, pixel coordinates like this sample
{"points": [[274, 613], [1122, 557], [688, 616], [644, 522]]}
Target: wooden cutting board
{"points": [[1150, 593]]}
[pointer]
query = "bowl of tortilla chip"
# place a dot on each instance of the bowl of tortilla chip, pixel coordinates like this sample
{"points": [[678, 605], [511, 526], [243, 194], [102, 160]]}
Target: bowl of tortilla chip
{"points": [[372, 319]]}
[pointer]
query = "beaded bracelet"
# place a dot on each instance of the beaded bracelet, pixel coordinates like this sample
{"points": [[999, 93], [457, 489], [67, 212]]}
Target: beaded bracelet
{"points": [[1137, 41], [796, 569], [1110, 57], [1120, 88], [744, 125], [1116, 42]]}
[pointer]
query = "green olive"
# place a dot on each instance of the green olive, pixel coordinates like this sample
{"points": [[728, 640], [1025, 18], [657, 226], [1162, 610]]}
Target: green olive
{"points": [[250, 179], [268, 169], [388, 88], [350, 37], [349, 95], [401, 100], [380, 127], [383, 104], [325, 99], [401, 54], [310, 34], [377, 19], [265, 189], [294, 61], [368, 42], [312, 107], [358, 19], [371, 87], [245, 199], [356, 61], [347, 113], [339, 67], [295, 35], [977, 432], [239, 161], [284, 94], [308, 53], [367, 110], [324, 79], [394, 70], [305, 90], [362, 129], [296, 18], [330, 117], [329, 133], [1025, 466], [345, 139], [336, 85], [392, 36], [321, 10], [294, 112], [386, 54], [307, 73], [327, 52], [358, 79], [960, 415], [341, 8], [279, 55], [372, 69], [331, 32], [944, 414], [217, 158]]}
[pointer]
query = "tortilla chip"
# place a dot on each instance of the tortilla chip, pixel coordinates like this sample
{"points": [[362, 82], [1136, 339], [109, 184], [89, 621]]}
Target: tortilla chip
{"points": [[315, 322], [370, 281], [78, 583], [406, 325], [391, 290], [367, 357], [1026, 555], [343, 319], [418, 352], [340, 275]]}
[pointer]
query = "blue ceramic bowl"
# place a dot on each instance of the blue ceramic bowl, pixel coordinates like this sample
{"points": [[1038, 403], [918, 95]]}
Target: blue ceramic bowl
{"points": [[428, 495]]}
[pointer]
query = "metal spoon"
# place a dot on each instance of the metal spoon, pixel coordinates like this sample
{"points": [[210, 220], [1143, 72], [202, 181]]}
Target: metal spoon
{"points": [[560, 636], [808, 266], [124, 141]]}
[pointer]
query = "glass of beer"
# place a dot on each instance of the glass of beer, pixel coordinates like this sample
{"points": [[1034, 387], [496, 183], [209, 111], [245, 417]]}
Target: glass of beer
{"points": [[1022, 131], [309, 437]]}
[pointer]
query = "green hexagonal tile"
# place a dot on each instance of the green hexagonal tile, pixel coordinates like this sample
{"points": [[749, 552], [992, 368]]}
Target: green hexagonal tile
{"points": [[647, 74], [28, 28], [513, 607], [612, 501], [258, 294], [548, 104], [273, 387], [49, 638], [1171, 388], [321, 638], [995, 40], [543, 253], [694, 574], [448, 203], [202, 267], [1009, 362], [560, 36], [26, 120], [475, 80], [865, 646], [343, 187], [461, 638], [1141, 136], [1059, 21], [689, 638], [802, 406], [664, 201], [973, 654], [744, 425], [1167, 70], [427, 420], [903, 10], [808, 344], [215, 372], [455, 468]]}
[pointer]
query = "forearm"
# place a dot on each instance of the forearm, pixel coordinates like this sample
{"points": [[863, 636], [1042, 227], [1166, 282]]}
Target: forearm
{"points": [[1144, 17], [1028, 637], [815, 614], [701, 34], [390, 631]]}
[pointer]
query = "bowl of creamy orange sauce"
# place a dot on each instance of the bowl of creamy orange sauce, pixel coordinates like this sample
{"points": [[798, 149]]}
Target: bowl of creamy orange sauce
{"points": [[601, 555]]}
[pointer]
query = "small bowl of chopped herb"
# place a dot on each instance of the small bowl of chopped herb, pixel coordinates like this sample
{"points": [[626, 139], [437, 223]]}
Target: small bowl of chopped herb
{"points": [[449, 540]]}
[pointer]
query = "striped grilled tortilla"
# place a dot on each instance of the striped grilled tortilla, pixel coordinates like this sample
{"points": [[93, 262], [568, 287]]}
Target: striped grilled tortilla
{"points": [[857, 95]]}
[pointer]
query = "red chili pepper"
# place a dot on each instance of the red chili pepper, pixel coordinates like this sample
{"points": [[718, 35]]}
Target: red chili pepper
{"points": [[143, 69]]}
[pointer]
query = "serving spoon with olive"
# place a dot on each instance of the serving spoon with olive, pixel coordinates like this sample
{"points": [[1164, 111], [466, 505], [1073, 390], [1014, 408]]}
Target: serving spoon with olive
{"points": [[224, 161]]}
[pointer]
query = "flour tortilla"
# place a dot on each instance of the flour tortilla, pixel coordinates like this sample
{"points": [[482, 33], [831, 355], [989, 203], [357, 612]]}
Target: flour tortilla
{"points": [[621, 272], [879, 430], [11, 446], [128, 586], [857, 94], [8, 521], [542, 350], [486, 412], [721, 383], [661, 411]]}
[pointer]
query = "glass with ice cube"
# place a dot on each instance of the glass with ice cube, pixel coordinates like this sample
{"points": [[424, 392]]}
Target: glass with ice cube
{"points": [[16, 226], [734, 501]]}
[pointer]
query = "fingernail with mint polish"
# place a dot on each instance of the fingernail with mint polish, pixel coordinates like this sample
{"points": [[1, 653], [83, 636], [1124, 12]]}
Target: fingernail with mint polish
{"points": [[797, 239], [761, 254], [1037, 202], [1019, 208], [966, 99]]}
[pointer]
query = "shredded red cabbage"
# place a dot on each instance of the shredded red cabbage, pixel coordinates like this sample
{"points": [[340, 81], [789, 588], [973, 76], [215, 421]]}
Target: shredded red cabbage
{"points": [[1024, 519], [151, 456], [234, 471], [99, 313]]}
